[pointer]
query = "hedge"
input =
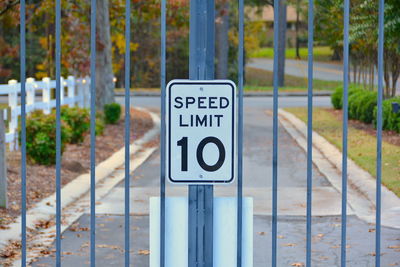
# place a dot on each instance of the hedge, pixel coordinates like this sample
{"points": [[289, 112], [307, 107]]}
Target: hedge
{"points": [[391, 120], [337, 95], [363, 107], [365, 110]]}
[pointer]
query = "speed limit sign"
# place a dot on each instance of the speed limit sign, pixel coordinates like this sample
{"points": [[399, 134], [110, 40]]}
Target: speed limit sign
{"points": [[201, 131]]}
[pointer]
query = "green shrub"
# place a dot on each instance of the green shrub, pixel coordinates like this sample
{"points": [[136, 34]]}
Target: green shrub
{"points": [[41, 137], [337, 95], [78, 120], [112, 113], [354, 103], [336, 98], [366, 106], [390, 120]]}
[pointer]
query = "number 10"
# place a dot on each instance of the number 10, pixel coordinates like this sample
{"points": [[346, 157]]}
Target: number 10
{"points": [[183, 143]]}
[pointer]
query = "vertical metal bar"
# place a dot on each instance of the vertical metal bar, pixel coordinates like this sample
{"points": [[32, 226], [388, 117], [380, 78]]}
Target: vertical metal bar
{"points": [[93, 133], [201, 66], [275, 137], [127, 127], [162, 136], [192, 228], [210, 39], [209, 75], [379, 134], [58, 132], [193, 74], [240, 135], [345, 130], [23, 129], [310, 128]]}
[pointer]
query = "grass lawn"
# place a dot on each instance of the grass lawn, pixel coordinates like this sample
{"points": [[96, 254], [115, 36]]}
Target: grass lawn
{"points": [[321, 53], [262, 80], [361, 145]]}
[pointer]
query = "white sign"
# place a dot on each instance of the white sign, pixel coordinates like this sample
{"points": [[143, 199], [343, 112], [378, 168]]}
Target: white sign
{"points": [[201, 131]]}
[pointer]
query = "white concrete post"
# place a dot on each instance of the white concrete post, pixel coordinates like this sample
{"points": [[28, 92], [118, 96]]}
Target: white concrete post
{"points": [[71, 90], [3, 161], [13, 104], [30, 94], [46, 96]]}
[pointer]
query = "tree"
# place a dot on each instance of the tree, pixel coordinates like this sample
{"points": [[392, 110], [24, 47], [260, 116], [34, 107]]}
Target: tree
{"points": [[282, 42], [329, 25], [222, 39], [75, 40], [281, 34], [104, 72], [298, 6], [364, 38]]}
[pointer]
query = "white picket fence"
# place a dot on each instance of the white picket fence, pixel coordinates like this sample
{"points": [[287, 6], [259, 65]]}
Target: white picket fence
{"points": [[73, 92]]}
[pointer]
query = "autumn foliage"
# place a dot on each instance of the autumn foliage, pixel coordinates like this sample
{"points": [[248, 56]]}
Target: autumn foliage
{"points": [[145, 40]]}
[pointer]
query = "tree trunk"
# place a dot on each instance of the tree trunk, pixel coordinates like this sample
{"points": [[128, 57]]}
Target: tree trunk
{"points": [[222, 42], [282, 43], [104, 72], [355, 71], [395, 77], [336, 53], [386, 77], [297, 29]]}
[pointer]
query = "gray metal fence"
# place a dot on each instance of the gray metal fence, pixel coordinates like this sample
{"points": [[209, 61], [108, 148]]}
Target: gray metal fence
{"points": [[201, 67]]}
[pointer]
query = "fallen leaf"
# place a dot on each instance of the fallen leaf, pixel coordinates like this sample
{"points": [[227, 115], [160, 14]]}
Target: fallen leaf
{"points": [[261, 233], [297, 264], [144, 252], [7, 254], [289, 245]]}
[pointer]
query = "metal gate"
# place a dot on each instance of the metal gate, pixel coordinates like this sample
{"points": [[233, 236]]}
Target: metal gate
{"points": [[201, 67]]}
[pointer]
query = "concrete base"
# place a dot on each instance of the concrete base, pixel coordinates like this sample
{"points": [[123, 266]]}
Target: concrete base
{"points": [[225, 228]]}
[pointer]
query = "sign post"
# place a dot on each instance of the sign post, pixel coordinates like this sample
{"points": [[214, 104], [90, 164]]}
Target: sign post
{"points": [[201, 67]]}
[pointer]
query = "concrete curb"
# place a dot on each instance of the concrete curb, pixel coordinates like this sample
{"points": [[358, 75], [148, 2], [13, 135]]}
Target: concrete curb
{"points": [[361, 185], [246, 94], [77, 188]]}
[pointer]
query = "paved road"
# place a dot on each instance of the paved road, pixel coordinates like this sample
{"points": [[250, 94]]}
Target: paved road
{"points": [[257, 175], [322, 71]]}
